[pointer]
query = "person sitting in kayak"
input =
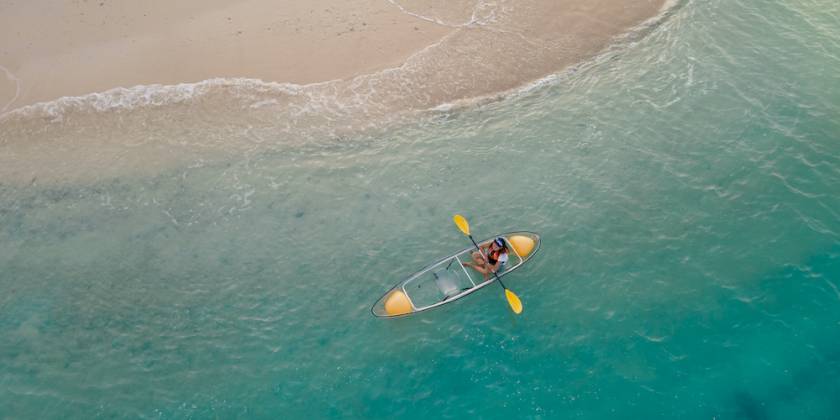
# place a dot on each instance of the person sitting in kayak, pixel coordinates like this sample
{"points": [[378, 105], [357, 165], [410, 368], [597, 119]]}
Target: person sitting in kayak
{"points": [[497, 255]]}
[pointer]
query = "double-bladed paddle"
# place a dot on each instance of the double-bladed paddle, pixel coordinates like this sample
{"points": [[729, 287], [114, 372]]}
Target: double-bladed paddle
{"points": [[513, 300]]}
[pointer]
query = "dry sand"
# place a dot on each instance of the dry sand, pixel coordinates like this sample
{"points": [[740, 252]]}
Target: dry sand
{"points": [[73, 47], [50, 49]]}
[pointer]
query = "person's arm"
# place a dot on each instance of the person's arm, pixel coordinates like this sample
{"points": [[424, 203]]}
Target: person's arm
{"points": [[495, 268]]}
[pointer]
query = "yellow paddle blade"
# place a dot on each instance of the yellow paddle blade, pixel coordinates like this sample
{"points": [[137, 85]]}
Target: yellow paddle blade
{"points": [[513, 300], [462, 224]]}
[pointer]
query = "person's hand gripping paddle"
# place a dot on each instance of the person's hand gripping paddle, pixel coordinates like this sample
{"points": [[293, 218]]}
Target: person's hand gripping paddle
{"points": [[513, 300]]}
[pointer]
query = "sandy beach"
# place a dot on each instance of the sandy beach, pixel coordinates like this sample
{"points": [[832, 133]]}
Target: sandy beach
{"points": [[78, 47], [72, 47]]}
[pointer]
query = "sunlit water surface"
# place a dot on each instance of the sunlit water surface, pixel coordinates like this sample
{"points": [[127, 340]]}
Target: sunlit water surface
{"points": [[686, 186]]}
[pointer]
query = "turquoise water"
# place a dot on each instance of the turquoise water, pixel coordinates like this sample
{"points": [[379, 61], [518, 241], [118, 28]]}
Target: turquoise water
{"points": [[686, 185]]}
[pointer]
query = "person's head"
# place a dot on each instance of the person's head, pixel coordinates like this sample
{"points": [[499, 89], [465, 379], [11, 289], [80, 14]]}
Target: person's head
{"points": [[498, 243]]}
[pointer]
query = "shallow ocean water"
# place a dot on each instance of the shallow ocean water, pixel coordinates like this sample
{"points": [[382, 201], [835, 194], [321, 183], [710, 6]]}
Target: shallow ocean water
{"points": [[686, 185]]}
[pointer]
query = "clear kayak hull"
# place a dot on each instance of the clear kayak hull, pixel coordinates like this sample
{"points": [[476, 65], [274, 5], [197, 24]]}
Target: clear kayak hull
{"points": [[447, 280]]}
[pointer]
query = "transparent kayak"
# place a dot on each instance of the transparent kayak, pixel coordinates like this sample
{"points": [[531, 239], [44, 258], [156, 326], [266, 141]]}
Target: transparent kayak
{"points": [[447, 280]]}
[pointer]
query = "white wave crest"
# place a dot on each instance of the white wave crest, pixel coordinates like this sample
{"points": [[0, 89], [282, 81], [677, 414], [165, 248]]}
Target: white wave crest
{"points": [[122, 98]]}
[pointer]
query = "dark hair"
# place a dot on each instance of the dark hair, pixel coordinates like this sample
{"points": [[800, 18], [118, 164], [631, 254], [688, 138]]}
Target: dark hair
{"points": [[500, 242]]}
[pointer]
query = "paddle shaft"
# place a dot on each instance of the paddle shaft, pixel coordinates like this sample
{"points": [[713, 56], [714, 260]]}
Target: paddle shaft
{"points": [[488, 262]]}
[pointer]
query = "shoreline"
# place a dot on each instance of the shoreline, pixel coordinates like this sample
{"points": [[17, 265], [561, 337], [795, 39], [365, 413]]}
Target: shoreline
{"points": [[495, 53]]}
